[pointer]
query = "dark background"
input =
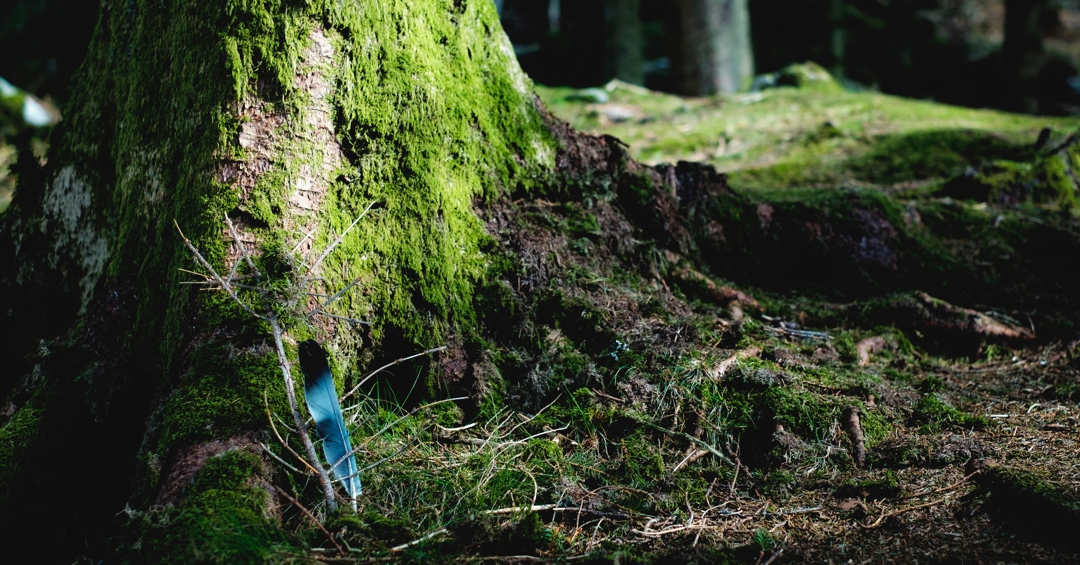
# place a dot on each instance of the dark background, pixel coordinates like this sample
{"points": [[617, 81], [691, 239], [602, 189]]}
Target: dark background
{"points": [[946, 50]]}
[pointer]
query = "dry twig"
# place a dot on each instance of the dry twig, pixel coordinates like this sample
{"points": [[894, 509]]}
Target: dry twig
{"points": [[312, 517]]}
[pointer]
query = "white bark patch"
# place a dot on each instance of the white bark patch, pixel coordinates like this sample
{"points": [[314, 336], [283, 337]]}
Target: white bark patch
{"points": [[142, 172], [314, 79], [65, 207]]}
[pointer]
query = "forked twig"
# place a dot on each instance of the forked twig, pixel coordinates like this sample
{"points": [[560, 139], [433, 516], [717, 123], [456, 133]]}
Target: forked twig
{"points": [[311, 517], [243, 248], [884, 515], [225, 285]]}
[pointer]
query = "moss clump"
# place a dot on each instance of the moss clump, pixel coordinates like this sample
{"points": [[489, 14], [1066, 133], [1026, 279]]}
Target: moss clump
{"points": [[932, 154], [931, 384], [934, 414], [803, 414], [808, 76], [223, 520], [1042, 179], [367, 527], [222, 394], [19, 448]]}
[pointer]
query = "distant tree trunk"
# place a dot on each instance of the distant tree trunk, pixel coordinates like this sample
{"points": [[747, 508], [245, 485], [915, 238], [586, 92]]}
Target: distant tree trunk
{"points": [[625, 41], [839, 38], [1022, 53], [554, 13], [713, 51], [583, 39]]}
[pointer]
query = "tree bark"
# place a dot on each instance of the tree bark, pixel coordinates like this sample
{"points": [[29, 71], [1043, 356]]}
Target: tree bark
{"points": [[290, 119], [1022, 53], [626, 45], [713, 50]]}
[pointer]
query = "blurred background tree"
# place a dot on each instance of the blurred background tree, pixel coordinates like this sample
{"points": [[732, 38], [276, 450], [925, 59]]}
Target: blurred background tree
{"points": [[956, 51], [1018, 55]]}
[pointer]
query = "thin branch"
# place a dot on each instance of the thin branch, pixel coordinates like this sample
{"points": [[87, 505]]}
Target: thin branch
{"points": [[387, 366], [772, 558], [944, 489], [385, 459], [333, 245], [301, 425], [312, 517], [399, 420], [901, 511], [533, 508], [405, 546], [301, 242], [209, 279], [694, 440], [534, 436], [243, 248], [266, 402], [332, 299], [269, 452], [692, 456]]}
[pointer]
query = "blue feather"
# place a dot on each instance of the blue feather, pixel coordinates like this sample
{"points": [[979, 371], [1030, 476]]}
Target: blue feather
{"points": [[322, 402]]}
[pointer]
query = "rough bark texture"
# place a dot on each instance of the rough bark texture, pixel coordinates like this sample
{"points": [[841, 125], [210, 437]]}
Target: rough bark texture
{"points": [[713, 51]]}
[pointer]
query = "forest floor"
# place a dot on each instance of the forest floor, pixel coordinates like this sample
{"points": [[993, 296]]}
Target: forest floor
{"points": [[974, 455], [871, 354]]}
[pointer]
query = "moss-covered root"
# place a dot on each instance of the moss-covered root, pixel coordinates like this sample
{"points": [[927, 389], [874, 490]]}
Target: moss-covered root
{"points": [[1031, 503]]}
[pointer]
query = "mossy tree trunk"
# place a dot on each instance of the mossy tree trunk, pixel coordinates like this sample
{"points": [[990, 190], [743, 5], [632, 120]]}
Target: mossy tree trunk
{"points": [[290, 118], [713, 49]]}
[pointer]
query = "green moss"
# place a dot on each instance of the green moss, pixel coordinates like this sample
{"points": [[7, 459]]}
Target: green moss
{"points": [[223, 520], [935, 414], [779, 483], [876, 427], [932, 154], [222, 394], [808, 76], [19, 448], [642, 463], [803, 414], [931, 384], [1009, 482]]}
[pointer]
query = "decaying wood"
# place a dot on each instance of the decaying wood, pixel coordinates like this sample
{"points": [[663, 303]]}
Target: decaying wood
{"points": [[869, 346], [854, 430]]}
